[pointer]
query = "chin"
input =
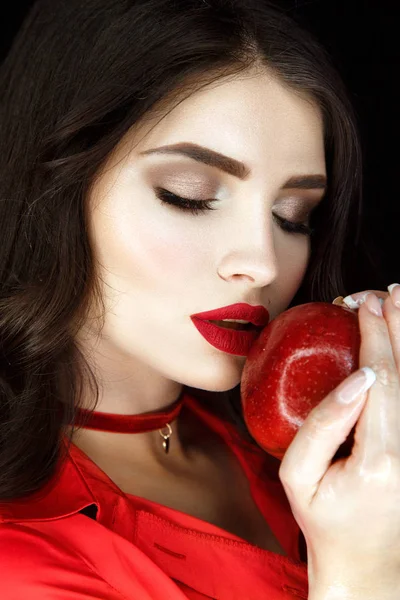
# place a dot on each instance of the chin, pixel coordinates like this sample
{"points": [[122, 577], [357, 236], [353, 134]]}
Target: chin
{"points": [[210, 374]]}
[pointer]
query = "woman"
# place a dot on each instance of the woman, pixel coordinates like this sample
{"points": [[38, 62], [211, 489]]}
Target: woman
{"points": [[126, 468]]}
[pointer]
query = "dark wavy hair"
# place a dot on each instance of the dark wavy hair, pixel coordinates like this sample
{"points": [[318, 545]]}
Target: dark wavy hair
{"points": [[78, 76]]}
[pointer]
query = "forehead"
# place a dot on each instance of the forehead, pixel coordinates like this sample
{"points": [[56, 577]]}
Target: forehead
{"points": [[253, 118]]}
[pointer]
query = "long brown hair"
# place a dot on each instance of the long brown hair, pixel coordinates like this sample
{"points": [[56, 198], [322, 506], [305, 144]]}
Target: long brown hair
{"points": [[79, 75]]}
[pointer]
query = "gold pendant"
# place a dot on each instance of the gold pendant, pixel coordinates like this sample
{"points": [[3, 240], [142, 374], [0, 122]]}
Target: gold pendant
{"points": [[166, 437]]}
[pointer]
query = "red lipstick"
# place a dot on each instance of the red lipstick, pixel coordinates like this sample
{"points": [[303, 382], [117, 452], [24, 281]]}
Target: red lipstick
{"points": [[230, 340]]}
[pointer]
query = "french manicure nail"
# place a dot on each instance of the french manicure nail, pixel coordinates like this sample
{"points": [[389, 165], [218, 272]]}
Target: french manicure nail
{"points": [[354, 301], [350, 390], [394, 291], [373, 305]]}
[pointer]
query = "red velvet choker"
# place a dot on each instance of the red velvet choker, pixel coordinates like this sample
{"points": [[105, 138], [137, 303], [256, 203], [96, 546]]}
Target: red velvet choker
{"points": [[140, 423]]}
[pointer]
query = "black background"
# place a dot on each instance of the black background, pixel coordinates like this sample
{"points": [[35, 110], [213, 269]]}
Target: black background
{"points": [[363, 40]]}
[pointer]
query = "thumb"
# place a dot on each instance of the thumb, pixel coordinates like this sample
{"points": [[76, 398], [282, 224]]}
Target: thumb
{"points": [[327, 426]]}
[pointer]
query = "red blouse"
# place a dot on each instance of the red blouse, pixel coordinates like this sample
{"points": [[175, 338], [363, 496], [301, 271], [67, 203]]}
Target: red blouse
{"points": [[81, 537]]}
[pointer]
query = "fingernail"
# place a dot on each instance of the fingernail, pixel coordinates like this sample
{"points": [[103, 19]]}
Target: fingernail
{"points": [[359, 384], [354, 301], [373, 305], [394, 291]]}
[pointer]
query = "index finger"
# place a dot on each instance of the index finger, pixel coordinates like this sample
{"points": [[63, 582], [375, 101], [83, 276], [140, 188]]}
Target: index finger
{"points": [[378, 428]]}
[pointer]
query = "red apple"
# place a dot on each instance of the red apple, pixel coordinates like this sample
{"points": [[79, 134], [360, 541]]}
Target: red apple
{"points": [[299, 357]]}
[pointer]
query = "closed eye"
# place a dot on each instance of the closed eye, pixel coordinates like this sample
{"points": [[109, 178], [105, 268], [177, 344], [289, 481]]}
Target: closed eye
{"points": [[197, 207]]}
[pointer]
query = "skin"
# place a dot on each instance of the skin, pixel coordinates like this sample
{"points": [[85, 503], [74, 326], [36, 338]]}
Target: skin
{"points": [[159, 265]]}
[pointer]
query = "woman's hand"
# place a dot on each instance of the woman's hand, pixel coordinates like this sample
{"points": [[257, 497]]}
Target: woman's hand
{"points": [[349, 511]]}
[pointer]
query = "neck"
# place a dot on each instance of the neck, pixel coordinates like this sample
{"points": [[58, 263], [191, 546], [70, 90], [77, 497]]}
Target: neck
{"points": [[142, 448]]}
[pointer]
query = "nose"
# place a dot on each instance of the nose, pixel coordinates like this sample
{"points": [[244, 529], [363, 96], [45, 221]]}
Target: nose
{"points": [[253, 258]]}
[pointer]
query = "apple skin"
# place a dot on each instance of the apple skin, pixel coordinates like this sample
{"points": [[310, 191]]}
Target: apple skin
{"points": [[299, 357]]}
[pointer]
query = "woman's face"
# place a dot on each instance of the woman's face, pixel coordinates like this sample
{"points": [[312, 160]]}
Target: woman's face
{"points": [[161, 264]]}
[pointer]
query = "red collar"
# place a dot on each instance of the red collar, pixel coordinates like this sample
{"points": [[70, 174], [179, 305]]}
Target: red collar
{"points": [[130, 423]]}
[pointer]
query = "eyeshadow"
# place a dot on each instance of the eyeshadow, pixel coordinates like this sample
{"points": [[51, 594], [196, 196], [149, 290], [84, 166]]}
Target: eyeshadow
{"points": [[190, 182]]}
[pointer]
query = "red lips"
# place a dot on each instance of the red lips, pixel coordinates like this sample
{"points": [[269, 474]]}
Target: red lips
{"points": [[258, 315]]}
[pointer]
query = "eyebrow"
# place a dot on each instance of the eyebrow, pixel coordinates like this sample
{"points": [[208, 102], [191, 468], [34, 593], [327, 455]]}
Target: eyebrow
{"points": [[234, 167]]}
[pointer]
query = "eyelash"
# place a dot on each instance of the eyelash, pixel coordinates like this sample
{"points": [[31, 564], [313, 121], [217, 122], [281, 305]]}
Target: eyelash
{"points": [[195, 207]]}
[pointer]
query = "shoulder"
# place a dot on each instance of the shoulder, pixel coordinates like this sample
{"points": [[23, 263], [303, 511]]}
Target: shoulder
{"points": [[34, 565], [76, 558]]}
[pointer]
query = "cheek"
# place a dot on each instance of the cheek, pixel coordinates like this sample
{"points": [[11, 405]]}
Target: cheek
{"points": [[168, 251], [149, 248], [293, 263]]}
